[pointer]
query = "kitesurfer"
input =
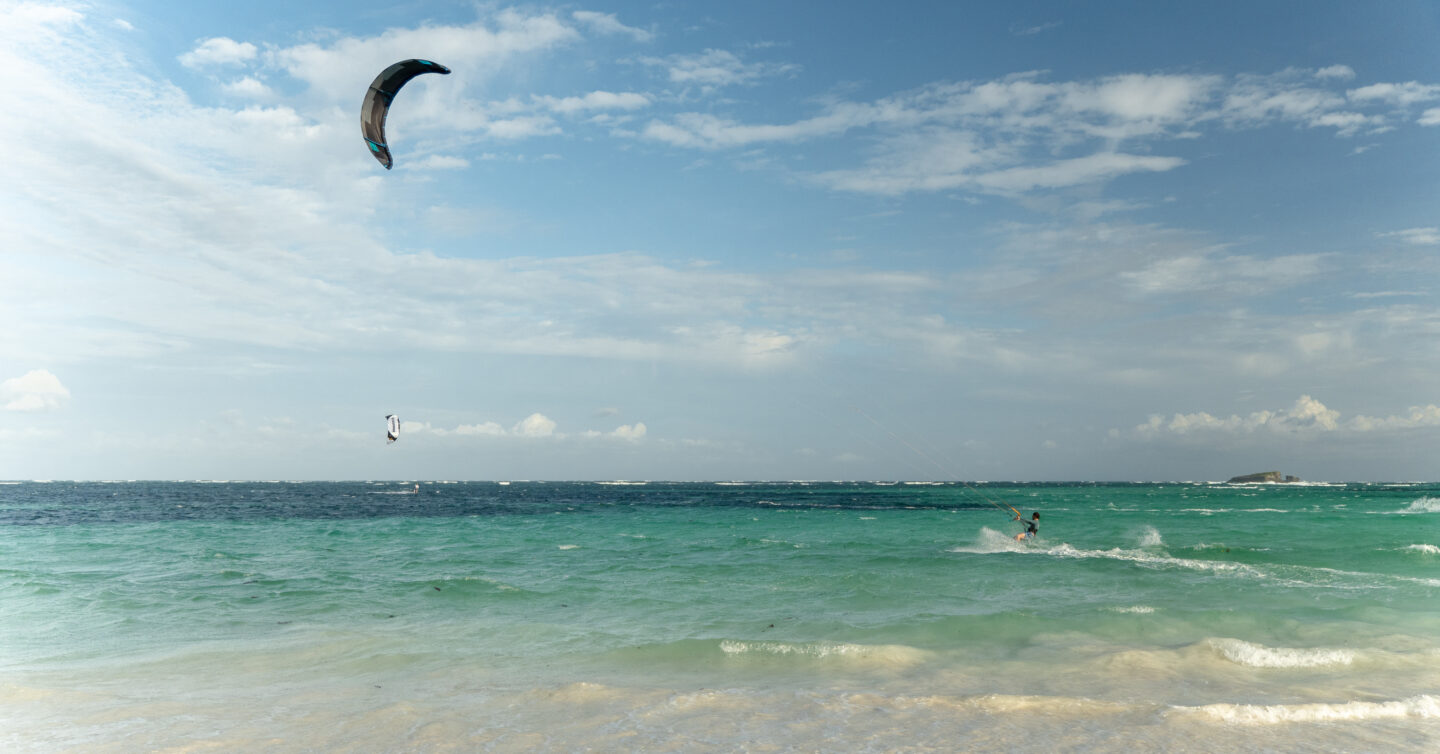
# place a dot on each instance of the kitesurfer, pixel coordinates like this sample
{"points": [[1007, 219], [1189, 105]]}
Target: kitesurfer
{"points": [[1032, 527]]}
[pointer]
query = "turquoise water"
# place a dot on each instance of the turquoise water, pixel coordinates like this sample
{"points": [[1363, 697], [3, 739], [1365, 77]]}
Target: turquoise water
{"points": [[698, 617]]}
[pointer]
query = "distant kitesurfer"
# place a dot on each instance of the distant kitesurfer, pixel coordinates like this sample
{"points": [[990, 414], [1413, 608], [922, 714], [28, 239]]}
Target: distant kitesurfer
{"points": [[1032, 527]]}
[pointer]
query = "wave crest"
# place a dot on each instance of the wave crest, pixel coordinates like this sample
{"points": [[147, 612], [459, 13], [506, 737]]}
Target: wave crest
{"points": [[880, 654], [1424, 505], [1258, 656], [1424, 706]]}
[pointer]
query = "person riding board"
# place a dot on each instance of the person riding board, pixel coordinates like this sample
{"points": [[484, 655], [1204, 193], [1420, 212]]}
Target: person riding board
{"points": [[1032, 527]]}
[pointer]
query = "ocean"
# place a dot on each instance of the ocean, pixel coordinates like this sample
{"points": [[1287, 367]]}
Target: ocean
{"points": [[589, 616]]}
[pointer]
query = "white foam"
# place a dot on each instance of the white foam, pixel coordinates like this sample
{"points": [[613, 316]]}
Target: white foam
{"points": [[1425, 707], [1136, 609], [569, 547], [883, 654], [1427, 549], [992, 541], [1258, 656], [1150, 537], [1424, 505]]}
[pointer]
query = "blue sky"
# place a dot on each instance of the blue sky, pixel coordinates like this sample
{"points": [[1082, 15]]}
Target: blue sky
{"points": [[754, 241]]}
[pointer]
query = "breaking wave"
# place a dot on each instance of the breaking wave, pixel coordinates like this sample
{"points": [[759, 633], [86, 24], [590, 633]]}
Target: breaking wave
{"points": [[1424, 706], [1258, 656], [1424, 505], [878, 654]]}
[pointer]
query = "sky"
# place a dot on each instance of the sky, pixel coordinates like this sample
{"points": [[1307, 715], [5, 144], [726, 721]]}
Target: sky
{"points": [[742, 240]]}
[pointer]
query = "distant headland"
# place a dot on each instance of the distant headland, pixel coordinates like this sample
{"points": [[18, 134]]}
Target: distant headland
{"points": [[1274, 477]]}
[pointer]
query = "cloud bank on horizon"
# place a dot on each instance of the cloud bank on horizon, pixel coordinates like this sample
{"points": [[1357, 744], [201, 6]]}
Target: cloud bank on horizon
{"points": [[711, 230]]}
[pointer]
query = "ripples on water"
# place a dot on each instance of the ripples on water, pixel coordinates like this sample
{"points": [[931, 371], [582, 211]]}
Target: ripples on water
{"points": [[295, 616]]}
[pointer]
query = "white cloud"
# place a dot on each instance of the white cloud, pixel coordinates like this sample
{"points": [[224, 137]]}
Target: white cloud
{"points": [[1419, 416], [219, 51], [440, 162], [1257, 100], [1408, 93], [1089, 169], [36, 390], [634, 431], [1418, 236], [626, 432], [248, 86], [1237, 275], [607, 23], [711, 132], [523, 127], [1346, 123], [1307, 416], [337, 69], [716, 68], [534, 425], [1028, 31], [123, 25], [1020, 133], [34, 16], [1141, 97], [595, 101], [1341, 72], [1430, 117]]}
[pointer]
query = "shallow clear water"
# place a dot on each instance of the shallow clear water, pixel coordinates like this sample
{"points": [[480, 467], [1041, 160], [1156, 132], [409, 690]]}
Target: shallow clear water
{"points": [[668, 616]]}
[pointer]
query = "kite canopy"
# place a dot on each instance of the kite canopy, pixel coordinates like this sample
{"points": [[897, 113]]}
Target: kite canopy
{"points": [[392, 428], [381, 94]]}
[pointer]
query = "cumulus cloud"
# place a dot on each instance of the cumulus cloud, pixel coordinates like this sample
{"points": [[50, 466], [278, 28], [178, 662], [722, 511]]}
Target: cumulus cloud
{"points": [[626, 432], [36, 390], [634, 431], [1307, 416], [534, 425], [219, 51], [1430, 117], [248, 86]]}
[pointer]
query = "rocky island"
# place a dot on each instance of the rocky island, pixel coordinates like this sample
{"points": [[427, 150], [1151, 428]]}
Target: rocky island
{"points": [[1273, 477]]}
